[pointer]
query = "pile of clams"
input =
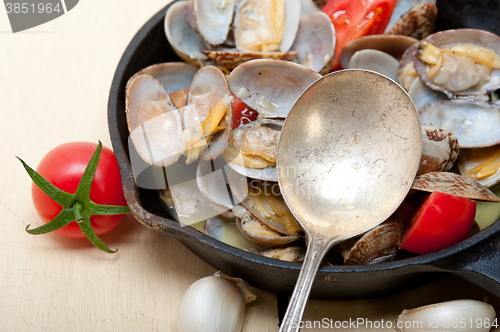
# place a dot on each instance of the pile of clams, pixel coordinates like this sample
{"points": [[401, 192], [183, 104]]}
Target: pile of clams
{"points": [[180, 114]]}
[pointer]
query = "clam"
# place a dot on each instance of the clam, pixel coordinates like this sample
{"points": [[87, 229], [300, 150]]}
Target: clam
{"points": [[453, 184], [439, 150], [378, 245], [393, 45], [377, 61], [161, 132], [408, 78], [482, 165], [213, 19], [264, 202], [474, 124], [289, 254], [462, 63], [270, 87], [406, 72], [185, 42], [417, 23], [257, 232], [316, 42]]}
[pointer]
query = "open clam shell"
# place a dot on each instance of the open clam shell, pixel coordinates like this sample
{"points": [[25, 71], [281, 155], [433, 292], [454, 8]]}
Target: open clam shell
{"points": [[474, 124], [255, 20], [406, 72], [209, 86], [213, 18], [454, 184], [260, 197], [161, 132], [185, 42], [257, 232], [393, 45], [174, 76], [154, 123], [473, 79], [482, 165], [316, 40], [270, 87], [377, 61]]}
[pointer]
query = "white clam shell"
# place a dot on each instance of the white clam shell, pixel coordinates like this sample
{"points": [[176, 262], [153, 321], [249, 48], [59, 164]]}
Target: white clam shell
{"points": [[270, 87], [316, 41], [185, 42], [153, 121], [209, 85], [174, 76], [377, 61], [214, 19], [422, 95], [474, 124]]}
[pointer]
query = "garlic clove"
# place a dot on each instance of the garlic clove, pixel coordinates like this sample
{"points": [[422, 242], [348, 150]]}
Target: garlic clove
{"points": [[458, 315], [214, 304]]}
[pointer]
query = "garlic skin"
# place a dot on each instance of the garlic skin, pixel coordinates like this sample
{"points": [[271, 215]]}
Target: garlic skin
{"points": [[458, 315], [214, 304]]}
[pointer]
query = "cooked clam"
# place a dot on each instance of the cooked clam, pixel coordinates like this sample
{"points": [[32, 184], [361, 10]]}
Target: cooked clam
{"points": [[185, 42], [376, 246], [393, 45], [316, 41], [289, 254], [213, 19], [257, 232], [462, 63], [161, 133], [377, 61], [474, 124], [453, 184], [264, 201], [482, 165]]}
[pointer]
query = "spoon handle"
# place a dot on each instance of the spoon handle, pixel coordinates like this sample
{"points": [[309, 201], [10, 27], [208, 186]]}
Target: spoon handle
{"points": [[316, 249]]}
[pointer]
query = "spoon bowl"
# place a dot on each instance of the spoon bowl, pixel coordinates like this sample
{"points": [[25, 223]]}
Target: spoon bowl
{"points": [[348, 153]]}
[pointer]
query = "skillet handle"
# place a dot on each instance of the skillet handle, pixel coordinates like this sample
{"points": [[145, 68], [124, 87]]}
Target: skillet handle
{"points": [[479, 264]]}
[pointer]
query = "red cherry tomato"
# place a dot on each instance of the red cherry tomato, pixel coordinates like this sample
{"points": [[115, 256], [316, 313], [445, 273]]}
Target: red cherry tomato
{"points": [[440, 221], [63, 166], [242, 114], [354, 19]]}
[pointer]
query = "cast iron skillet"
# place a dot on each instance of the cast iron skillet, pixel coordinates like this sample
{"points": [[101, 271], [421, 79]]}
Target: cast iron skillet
{"points": [[476, 259]]}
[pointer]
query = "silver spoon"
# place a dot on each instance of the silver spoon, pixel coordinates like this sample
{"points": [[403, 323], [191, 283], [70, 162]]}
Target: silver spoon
{"points": [[348, 154]]}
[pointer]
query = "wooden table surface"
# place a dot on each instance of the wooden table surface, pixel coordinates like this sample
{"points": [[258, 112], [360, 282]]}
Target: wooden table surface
{"points": [[54, 85]]}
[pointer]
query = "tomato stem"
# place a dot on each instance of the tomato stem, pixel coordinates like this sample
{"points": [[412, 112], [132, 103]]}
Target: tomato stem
{"points": [[77, 210]]}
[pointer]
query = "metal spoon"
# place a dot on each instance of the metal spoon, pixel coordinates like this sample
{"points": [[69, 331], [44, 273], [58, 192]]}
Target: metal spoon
{"points": [[348, 154]]}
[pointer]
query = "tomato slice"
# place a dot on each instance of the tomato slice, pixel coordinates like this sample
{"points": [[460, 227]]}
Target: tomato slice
{"points": [[354, 19], [440, 221], [242, 114]]}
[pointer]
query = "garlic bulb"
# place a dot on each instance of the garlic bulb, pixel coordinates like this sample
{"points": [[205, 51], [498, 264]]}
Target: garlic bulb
{"points": [[214, 304], [458, 315]]}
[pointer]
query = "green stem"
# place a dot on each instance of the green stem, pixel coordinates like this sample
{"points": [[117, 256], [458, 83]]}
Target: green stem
{"points": [[77, 210]]}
